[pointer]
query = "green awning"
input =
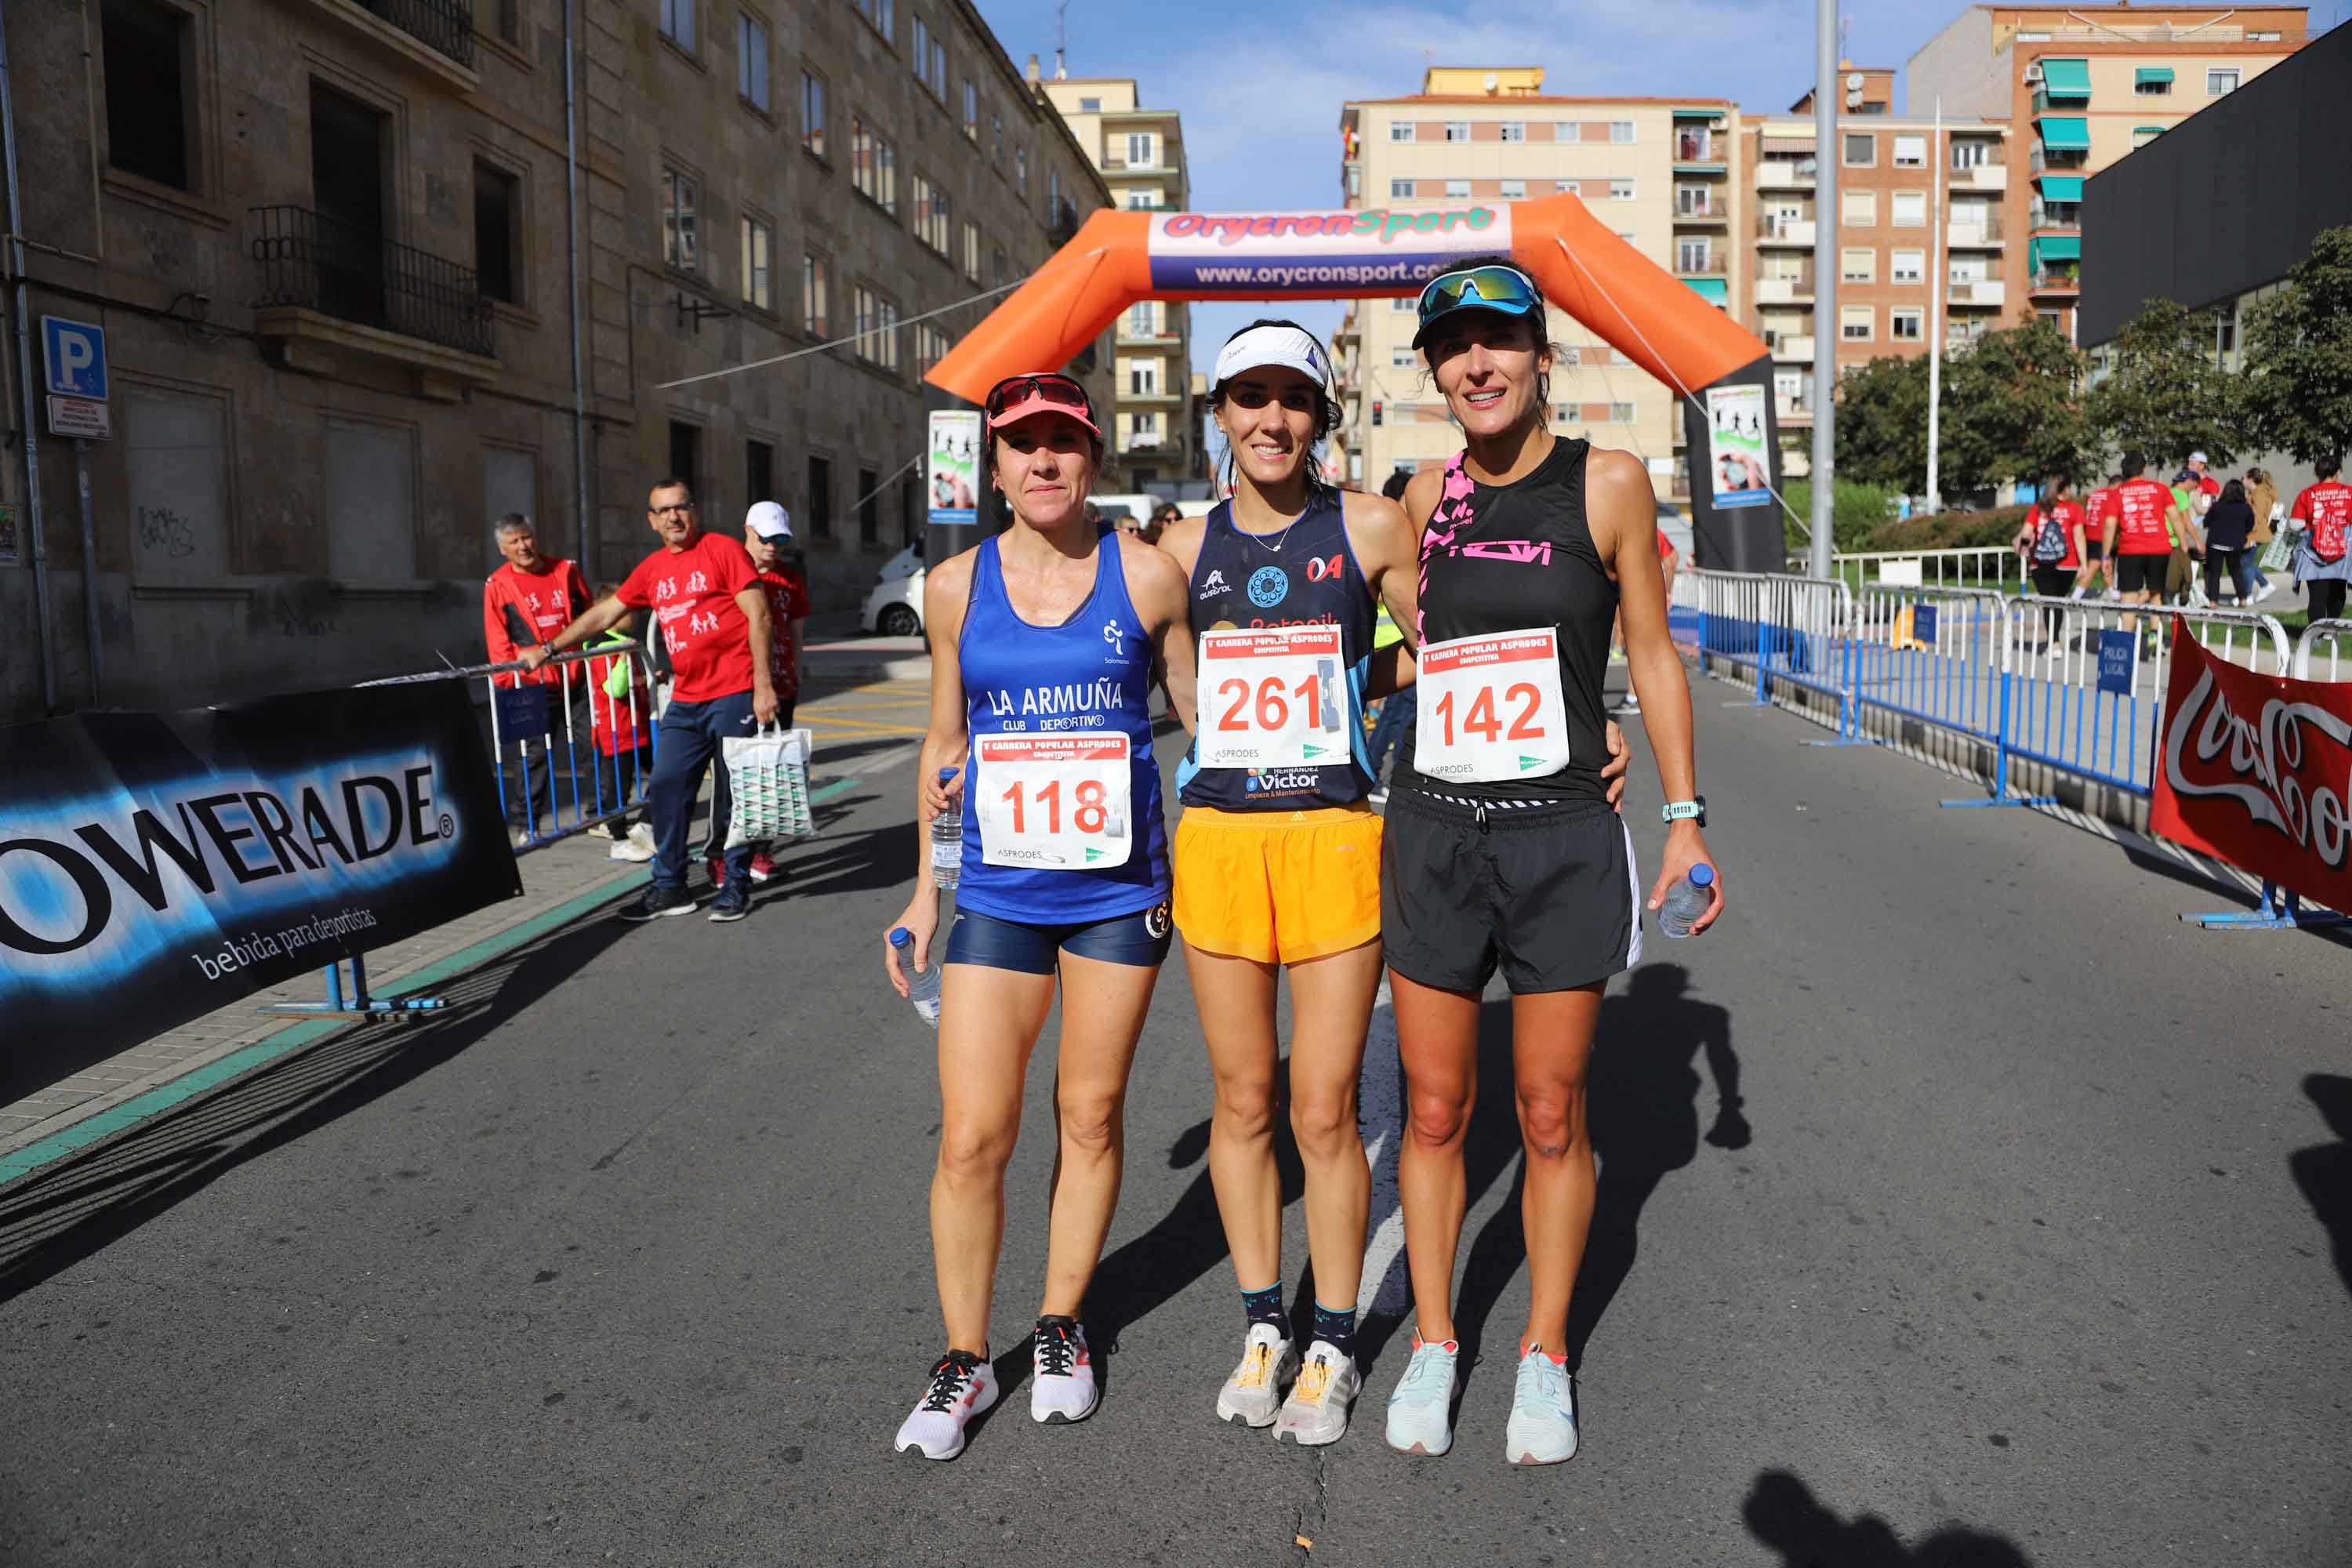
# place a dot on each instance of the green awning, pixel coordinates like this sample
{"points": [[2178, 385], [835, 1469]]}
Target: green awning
{"points": [[2053, 248], [2147, 130], [1698, 114], [2066, 78], [1714, 290], [2064, 134], [2152, 73], [2061, 188]]}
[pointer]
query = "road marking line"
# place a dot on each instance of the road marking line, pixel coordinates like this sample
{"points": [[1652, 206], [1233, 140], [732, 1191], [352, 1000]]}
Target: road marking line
{"points": [[1386, 1286], [163, 1096]]}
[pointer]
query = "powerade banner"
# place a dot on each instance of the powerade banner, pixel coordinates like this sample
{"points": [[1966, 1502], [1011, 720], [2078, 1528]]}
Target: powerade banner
{"points": [[1737, 460], [1266, 255], [2257, 770], [954, 466], [154, 866]]}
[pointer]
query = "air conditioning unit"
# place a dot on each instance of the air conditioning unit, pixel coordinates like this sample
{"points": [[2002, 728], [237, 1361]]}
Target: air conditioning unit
{"points": [[2033, 74]]}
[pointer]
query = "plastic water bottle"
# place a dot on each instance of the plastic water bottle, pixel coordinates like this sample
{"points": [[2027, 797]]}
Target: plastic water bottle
{"points": [[924, 988], [947, 841], [1686, 901]]}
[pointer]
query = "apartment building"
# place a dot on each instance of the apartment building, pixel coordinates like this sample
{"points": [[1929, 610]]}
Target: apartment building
{"points": [[1141, 152], [334, 250], [1909, 207], [1663, 173], [2080, 87]]}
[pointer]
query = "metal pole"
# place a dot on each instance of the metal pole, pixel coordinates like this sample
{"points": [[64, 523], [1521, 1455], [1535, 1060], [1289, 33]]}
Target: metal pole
{"points": [[1935, 308], [22, 321], [585, 553], [1826, 90], [88, 564]]}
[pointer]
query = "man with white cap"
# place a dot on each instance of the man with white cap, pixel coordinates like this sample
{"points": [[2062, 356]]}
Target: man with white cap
{"points": [[767, 533]]}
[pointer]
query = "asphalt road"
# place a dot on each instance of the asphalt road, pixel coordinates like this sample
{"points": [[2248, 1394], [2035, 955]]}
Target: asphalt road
{"points": [[2028, 1243]]}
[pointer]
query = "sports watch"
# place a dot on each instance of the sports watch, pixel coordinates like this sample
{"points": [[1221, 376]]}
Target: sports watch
{"points": [[1674, 811]]}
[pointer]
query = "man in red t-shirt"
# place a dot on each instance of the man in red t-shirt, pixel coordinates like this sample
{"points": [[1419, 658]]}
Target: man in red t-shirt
{"points": [[2322, 514], [2136, 522], [523, 601], [714, 620]]}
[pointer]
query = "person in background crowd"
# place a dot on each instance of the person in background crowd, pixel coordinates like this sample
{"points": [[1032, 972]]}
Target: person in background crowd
{"points": [[1669, 559], [1131, 525], [1396, 711], [1163, 517], [2094, 563], [767, 530], [621, 724], [2319, 520], [2263, 498], [2050, 543], [2137, 520], [714, 619], [523, 601], [2228, 534], [2188, 498], [2196, 472]]}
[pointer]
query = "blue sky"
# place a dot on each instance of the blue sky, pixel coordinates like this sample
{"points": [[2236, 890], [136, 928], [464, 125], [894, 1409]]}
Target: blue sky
{"points": [[1260, 86]]}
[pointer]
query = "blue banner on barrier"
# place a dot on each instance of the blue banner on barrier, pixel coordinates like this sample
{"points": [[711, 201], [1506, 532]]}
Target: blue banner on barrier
{"points": [[157, 866], [2118, 653], [1922, 624]]}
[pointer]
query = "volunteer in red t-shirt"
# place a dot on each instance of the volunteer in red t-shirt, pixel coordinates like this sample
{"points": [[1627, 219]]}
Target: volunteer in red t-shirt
{"points": [[2322, 519], [522, 602], [714, 619], [2050, 543], [767, 530], [527, 601], [2135, 524]]}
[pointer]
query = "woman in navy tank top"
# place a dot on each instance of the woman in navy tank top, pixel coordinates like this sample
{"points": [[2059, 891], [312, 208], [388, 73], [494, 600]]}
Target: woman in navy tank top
{"points": [[1277, 857], [1501, 849], [1046, 642]]}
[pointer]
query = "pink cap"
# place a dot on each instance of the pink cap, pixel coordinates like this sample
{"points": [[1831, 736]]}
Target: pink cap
{"points": [[1035, 400]]}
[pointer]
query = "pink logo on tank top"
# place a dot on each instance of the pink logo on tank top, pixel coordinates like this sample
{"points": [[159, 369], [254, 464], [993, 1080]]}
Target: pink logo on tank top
{"points": [[1526, 551]]}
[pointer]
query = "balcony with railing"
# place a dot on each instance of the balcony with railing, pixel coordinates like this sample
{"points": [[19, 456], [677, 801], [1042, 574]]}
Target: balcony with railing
{"points": [[1786, 174], [437, 34], [1988, 177], [331, 289], [1976, 293], [1774, 228], [1713, 264], [1709, 210], [1785, 288], [1701, 150], [1975, 234], [1796, 347], [2054, 280]]}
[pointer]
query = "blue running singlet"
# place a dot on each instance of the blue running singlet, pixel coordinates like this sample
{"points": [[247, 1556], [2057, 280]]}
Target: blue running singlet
{"points": [[1243, 581], [1062, 820]]}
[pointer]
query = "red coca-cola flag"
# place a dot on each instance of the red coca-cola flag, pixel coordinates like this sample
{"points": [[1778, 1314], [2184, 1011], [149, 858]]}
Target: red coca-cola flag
{"points": [[2257, 770]]}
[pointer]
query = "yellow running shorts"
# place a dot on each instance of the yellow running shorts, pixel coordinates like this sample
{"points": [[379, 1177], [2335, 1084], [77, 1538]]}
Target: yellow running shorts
{"points": [[1279, 886]]}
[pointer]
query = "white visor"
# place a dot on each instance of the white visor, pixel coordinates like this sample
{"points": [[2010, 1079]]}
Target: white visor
{"points": [[1262, 346]]}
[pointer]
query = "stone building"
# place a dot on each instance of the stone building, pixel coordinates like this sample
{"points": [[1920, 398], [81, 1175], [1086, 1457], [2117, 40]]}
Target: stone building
{"points": [[366, 284]]}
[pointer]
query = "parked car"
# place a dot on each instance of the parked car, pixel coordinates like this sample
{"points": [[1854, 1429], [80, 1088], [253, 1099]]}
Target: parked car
{"points": [[894, 607]]}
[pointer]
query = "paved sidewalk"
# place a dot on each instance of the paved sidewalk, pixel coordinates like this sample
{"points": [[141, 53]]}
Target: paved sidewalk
{"points": [[563, 873]]}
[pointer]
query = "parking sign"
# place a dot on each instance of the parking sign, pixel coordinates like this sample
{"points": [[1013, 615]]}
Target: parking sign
{"points": [[75, 354]]}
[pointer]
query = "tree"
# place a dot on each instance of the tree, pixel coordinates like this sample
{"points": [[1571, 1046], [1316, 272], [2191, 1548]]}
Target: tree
{"points": [[2296, 392], [2167, 396], [1882, 423], [2012, 410]]}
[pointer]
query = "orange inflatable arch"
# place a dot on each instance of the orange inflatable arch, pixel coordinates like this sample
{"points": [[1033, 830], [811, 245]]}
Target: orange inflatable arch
{"points": [[1629, 301]]}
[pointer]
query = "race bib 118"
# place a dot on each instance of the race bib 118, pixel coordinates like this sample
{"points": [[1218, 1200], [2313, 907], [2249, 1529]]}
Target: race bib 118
{"points": [[1053, 803]]}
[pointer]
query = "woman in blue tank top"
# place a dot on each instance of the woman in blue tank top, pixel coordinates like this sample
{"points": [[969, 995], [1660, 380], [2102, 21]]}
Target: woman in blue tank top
{"points": [[1277, 858], [1046, 642]]}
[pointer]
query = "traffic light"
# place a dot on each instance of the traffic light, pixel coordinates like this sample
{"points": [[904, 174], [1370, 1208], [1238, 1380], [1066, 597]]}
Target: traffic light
{"points": [[1376, 411]]}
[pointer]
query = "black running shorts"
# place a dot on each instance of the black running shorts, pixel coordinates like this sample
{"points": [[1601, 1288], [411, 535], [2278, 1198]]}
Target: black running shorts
{"points": [[1547, 893], [2142, 573]]}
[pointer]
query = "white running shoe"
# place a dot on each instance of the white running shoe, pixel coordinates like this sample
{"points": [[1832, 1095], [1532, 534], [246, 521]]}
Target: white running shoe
{"points": [[1062, 1384], [1542, 1428], [629, 849], [1421, 1407], [1254, 1393], [1317, 1411], [962, 1385], [643, 833]]}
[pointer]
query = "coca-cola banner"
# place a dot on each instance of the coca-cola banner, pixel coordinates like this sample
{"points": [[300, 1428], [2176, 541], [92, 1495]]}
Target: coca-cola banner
{"points": [[2256, 769]]}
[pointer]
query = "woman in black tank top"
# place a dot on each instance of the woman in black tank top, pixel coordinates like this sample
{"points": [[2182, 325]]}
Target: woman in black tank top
{"points": [[1277, 856], [1501, 849]]}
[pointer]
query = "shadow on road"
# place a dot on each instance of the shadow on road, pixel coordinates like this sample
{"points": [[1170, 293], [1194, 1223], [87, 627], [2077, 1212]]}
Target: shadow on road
{"points": [[1642, 1106], [879, 857], [1783, 1514], [2323, 1170], [57, 1216]]}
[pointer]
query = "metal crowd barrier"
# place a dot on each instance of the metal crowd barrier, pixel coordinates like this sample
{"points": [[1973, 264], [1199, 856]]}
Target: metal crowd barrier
{"points": [[1791, 631], [543, 777], [1927, 653], [1959, 566], [2336, 635], [527, 713]]}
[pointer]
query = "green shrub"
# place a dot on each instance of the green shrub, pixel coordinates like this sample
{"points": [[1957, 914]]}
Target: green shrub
{"points": [[1855, 513], [1948, 529]]}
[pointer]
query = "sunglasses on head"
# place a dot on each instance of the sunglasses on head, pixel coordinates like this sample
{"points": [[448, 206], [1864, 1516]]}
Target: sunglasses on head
{"points": [[1504, 289], [1051, 387]]}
